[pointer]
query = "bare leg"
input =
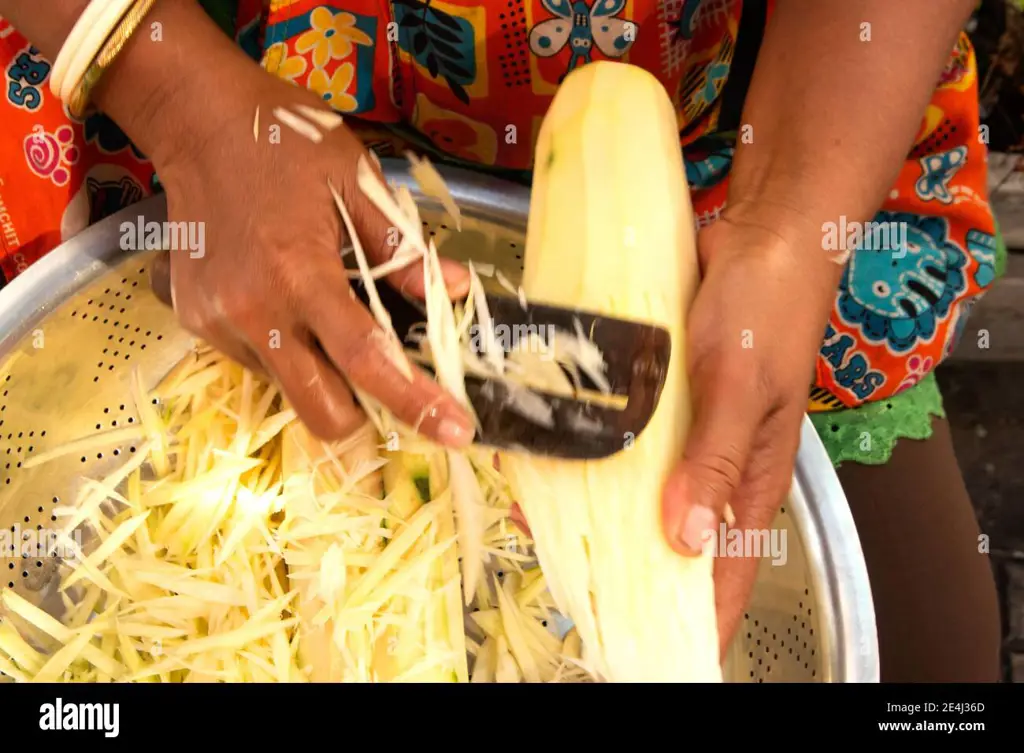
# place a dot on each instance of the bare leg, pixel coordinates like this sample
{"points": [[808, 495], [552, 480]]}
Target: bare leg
{"points": [[935, 597]]}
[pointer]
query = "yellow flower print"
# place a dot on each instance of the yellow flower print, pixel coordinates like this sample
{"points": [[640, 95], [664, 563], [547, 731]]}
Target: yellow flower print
{"points": [[331, 37], [277, 61], [334, 90]]}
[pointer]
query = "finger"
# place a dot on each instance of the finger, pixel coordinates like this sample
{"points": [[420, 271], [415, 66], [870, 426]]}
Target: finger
{"points": [[377, 234], [313, 386], [727, 414], [354, 343], [761, 494]]}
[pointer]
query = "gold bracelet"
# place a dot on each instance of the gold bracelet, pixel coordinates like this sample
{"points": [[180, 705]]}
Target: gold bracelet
{"points": [[111, 49]]}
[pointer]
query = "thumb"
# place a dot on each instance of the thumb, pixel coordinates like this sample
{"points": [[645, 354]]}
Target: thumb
{"points": [[713, 465]]}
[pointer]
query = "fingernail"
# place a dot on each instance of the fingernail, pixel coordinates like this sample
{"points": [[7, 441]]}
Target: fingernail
{"points": [[698, 523], [455, 433]]}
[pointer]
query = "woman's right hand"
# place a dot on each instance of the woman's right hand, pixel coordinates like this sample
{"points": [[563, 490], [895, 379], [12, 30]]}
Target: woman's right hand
{"points": [[270, 289]]}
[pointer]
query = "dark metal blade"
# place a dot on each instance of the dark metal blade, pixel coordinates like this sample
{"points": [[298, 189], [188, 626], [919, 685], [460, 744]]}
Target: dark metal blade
{"points": [[636, 357]]}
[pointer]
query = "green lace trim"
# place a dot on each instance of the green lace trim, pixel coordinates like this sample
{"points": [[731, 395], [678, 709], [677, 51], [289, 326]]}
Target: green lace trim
{"points": [[869, 433]]}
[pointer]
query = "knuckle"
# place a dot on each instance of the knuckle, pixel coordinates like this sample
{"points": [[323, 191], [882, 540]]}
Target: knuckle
{"points": [[721, 472]]}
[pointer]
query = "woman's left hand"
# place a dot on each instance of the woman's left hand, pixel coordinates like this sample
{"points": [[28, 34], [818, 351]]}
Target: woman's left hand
{"points": [[755, 329]]}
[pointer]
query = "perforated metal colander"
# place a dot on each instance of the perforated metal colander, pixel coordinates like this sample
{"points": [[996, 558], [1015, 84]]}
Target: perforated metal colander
{"points": [[74, 326]]}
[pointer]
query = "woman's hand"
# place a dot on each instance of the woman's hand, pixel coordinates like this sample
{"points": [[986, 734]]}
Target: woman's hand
{"points": [[270, 289], [755, 329]]}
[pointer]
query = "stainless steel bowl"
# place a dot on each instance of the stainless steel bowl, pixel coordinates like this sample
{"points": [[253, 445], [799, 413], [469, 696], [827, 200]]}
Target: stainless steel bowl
{"points": [[74, 325]]}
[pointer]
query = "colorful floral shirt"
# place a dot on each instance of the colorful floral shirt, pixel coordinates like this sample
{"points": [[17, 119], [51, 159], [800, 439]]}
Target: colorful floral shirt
{"points": [[469, 81]]}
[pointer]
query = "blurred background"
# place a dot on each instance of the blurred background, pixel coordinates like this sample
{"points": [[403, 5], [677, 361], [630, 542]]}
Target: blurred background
{"points": [[984, 388]]}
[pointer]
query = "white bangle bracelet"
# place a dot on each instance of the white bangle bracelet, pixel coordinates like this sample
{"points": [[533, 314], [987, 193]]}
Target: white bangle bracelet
{"points": [[85, 21], [112, 14]]}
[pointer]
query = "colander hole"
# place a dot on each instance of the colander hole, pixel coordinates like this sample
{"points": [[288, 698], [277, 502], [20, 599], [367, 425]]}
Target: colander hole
{"points": [[99, 456], [812, 652], [749, 635], [790, 652], [40, 508], [117, 294], [7, 481], [99, 426], [814, 673], [756, 623], [805, 644], [106, 321], [154, 401], [19, 465], [131, 420], [106, 410], [800, 604], [783, 509], [135, 284], [775, 657], [132, 448], [808, 611], [117, 452], [159, 337], [128, 297], [113, 423], [53, 517], [124, 280], [131, 343], [127, 326], [766, 631], [143, 346], [89, 302], [96, 379], [751, 654], [31, 448], [95, 318], [26, 518], [83, 458], [759, 662], [24, 573], [121, 407], [110, 367], [10, 584], [148, 332], [10, 566], [803, 625], [758, 641], [806, 592], [751, 671], [56, 500]]}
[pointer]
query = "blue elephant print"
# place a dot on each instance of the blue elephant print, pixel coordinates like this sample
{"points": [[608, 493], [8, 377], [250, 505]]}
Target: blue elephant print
{"points": [[982, 248], [899, 299], [580, 27]]}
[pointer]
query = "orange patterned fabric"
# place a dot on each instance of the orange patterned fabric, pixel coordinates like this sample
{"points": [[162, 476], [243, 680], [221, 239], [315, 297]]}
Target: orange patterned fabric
{"points": [[469, 81]]}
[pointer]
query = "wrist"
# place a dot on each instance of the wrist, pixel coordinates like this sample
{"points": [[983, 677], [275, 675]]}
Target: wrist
{"points": [[166, 95]]}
